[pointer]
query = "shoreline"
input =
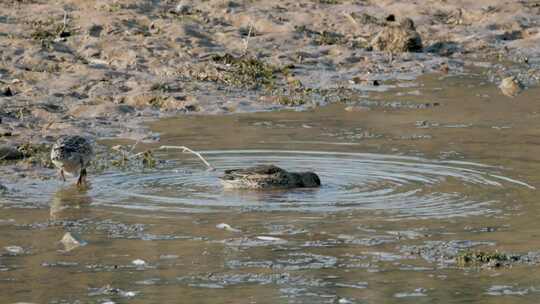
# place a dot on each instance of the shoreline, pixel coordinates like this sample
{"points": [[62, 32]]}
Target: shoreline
{"points": [[104, 69]]}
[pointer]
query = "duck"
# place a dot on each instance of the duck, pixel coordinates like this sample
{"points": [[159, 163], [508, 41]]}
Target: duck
{"points": [[263, 177], [72, 154]]}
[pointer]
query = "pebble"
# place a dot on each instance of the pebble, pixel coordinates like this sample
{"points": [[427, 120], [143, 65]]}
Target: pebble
{"points": [[511, 86], [72, 241], [138, 262], [14, 249], [183, 9], [7, 92], [270, 239], [227, 227], [356, 109]]}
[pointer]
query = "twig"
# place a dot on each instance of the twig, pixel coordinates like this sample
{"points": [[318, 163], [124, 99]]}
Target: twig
{"points": [[4, 156], [134, 145], [350, 18], [246, 41], [186, 149], [65, 22]]}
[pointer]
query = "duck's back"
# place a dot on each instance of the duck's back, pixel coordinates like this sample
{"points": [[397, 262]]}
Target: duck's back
{"points": [[257, 177]]}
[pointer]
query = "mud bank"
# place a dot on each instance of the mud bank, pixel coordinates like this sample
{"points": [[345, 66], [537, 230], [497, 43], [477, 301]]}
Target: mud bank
{"points": [[103, 67]]}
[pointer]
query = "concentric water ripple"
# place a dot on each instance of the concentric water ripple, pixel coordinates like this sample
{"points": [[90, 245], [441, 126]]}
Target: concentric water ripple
{"points": [[396, 186], [399, 186]]}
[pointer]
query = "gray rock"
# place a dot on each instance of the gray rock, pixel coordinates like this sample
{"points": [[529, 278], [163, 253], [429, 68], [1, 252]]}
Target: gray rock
{"points": [[511, 86], [8, 152], [3, 189], [95, 30], [72, 241]]}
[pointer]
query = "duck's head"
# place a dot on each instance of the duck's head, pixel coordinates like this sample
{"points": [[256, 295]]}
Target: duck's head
{"points": [[310, 179]]}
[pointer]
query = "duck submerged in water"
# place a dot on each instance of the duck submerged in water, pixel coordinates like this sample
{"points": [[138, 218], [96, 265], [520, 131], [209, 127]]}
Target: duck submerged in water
{"points": [[72, 155], [268, 177]]}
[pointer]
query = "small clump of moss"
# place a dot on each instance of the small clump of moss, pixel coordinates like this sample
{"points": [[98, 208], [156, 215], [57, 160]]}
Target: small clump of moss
{"points": [[246, 71], [148, 159], [121, 157], [160, 86], [49, 30], [328, 38], [480, 258], [291, 101], [329, 1], [321, 38], [157, 101], [36, 154]]}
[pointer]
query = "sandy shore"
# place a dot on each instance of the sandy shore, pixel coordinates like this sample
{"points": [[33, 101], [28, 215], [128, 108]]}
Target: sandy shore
{"points": [[101, 67]]}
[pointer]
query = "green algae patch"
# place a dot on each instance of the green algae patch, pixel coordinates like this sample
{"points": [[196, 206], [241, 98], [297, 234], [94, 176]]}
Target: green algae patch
{"points": [[35, 154], [247, 71], [485, 259], [291, 101]]}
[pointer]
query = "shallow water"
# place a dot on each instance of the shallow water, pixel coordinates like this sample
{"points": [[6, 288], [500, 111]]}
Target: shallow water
{"points": [[405, 187]]}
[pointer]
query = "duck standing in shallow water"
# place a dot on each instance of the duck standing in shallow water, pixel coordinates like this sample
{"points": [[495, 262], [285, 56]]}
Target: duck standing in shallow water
{"points": [[268, 177], [72, 154]]}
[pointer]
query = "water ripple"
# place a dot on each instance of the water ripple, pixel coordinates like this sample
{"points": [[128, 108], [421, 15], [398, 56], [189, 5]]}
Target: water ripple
{"points": [[402, 187]]}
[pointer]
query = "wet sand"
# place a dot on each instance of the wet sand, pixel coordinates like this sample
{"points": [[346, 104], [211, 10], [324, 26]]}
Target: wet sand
{"points": [[101, 67]]}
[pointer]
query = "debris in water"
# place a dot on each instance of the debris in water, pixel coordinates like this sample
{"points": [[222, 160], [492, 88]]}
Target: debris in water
{"points": [[511, 86], [270, 239], [485, 259], [505, 290], [227, 227], [15, 250], [418, 292], [111, 291], [138, 262], [72, 241]]}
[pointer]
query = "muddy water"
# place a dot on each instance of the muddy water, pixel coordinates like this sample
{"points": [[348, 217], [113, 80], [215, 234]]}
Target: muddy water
{"points": [[405, 187]]}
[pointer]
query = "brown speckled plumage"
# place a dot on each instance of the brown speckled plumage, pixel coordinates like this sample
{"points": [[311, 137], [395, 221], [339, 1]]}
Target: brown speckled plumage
{"points": [[268, 177], [72, 154]]}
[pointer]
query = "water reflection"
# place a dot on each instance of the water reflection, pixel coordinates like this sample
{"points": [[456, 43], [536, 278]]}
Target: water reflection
{"points": [[70, 203]]}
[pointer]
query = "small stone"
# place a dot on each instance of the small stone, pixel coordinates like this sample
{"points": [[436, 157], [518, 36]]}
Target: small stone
{"points": [[511, 86], [444, 68], [5, 132], [138, 262], [72, 241], [95, 30], [227, 227], [3, 189], [356, 109], [183, 9], [270, 239], [391, 18], [7, 92], [366, 82], [14, 249]]}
